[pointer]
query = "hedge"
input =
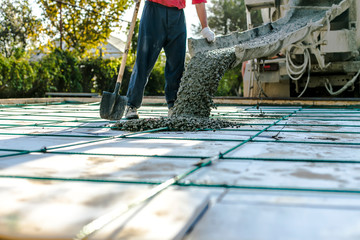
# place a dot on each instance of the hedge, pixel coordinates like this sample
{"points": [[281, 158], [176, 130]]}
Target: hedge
{"points": [[62, 71]]}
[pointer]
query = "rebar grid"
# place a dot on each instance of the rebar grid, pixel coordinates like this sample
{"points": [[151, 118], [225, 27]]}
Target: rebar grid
{"points": [[264, 118], [60, 120]]}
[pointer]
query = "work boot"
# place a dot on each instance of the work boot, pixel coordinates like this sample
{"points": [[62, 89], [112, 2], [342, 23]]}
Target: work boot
{"points": [[131, 113], [171, 112]]}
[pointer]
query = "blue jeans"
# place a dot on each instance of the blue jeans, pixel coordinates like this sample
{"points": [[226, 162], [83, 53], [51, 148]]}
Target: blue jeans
{"points": [[160, 27]]}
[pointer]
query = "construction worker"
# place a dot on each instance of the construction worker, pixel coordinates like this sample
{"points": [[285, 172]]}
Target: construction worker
{"points": [[162, 25]]}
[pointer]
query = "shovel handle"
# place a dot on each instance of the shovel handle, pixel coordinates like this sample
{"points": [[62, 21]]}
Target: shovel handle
{"points": [[128, 42]]}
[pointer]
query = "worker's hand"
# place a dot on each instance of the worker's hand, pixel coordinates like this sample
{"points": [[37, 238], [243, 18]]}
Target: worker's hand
{"points": [[208, 34]]}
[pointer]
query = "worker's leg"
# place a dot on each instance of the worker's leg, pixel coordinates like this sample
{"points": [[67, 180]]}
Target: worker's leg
{"points": [[150, 42], [175, 47]]}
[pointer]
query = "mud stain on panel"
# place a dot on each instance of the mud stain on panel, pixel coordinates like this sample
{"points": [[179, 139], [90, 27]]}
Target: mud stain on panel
{"points": [[306, 174], [97, 160]]}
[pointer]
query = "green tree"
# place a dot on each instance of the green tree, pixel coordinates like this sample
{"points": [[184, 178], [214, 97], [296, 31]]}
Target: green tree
{"points": [[226, 16], [16, 77], [82, 24], [18, 27]]}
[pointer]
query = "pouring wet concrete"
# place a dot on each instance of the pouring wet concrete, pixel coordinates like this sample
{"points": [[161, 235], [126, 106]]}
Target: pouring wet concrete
{"points": [[210, 62], [200, 82], [194, 103]]}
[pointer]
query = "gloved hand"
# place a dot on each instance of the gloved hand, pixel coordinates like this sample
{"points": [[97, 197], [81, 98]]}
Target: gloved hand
{"points": [[208, 34]]}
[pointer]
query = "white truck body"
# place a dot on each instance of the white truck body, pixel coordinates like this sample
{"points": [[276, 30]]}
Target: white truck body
{"points": [[334, 62]]}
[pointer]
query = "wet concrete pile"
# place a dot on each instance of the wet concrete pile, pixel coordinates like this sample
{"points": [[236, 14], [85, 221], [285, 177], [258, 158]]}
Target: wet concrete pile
{"points": [[173, 124], [194, 103], [200, 82]]}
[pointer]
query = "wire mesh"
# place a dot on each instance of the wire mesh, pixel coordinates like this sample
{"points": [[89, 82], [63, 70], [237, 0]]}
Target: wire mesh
{"points": [[292, 135]]}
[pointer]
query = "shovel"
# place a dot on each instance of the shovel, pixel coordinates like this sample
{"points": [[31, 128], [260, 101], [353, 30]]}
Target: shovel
{"points": [[112, 105]]}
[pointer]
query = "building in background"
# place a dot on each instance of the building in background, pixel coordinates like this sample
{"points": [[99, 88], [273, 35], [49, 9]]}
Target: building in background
{"points": [[114, 48]]}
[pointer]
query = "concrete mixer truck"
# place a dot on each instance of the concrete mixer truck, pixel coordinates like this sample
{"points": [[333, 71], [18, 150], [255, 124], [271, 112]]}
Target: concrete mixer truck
{"points": [[304, 48]]}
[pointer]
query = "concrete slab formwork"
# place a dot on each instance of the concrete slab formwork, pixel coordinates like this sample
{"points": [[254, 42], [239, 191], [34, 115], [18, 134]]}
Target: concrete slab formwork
{"points": [[288, 172]]}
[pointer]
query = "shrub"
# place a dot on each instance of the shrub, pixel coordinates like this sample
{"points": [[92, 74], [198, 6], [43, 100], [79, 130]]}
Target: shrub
{"points": [[230, 83], [62, 71], [16, 77]]}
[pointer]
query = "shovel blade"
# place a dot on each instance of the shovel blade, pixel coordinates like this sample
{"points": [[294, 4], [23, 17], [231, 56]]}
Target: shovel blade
{"points": [[112, 106]]}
